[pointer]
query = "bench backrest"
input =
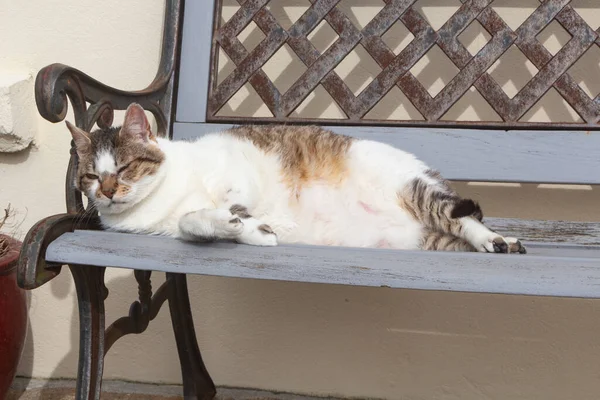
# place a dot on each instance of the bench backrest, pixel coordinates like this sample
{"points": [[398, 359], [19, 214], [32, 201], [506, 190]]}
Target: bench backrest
{"points": [[510, 142]]}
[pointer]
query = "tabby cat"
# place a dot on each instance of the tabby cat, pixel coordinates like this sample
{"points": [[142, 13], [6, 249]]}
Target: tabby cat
{"points": [[262, 184]]}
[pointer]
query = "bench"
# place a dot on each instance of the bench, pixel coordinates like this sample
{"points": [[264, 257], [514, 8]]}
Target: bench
{"points": [[187, 98]]}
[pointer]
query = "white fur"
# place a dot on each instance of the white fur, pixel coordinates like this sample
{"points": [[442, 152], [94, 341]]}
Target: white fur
{"points": [[251, 234], [105, 163], [210, 223], [199, 181], [478, 234]]}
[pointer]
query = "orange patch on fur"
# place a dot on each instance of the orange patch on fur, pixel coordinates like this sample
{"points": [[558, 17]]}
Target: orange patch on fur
{"points": [[122, 190], [307, 153]]}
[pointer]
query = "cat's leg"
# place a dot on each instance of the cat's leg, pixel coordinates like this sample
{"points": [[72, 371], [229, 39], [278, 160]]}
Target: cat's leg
{"points": [[431, 201], [254, 232], [230, 219], [442, 241], [484, 239], [210, 224], [233, 224]]}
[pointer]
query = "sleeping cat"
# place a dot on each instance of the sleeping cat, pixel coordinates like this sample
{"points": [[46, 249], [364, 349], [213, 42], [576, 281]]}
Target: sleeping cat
{"points": [[262, 184]]}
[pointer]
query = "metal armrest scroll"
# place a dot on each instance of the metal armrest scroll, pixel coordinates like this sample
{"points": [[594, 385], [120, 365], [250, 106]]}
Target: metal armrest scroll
{"points": [[33, 270], [57, 82]]}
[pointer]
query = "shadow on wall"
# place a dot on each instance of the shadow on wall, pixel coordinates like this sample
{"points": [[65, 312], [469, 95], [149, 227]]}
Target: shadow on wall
{"points": [[61, 289], [122, 292], [16, 158]]}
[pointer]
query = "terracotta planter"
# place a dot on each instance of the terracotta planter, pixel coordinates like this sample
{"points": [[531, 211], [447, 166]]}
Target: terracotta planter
{"points": [[13, 316]]}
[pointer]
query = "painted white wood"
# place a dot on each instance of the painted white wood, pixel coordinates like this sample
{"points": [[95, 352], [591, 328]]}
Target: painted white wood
{"points": [[479, 155], [548, 270], [194, 68]]}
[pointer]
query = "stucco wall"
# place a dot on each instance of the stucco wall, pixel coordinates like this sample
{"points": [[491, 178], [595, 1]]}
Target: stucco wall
{"points": [[283, 336]]}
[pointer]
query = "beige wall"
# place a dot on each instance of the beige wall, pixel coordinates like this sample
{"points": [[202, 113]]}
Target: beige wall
{"points": [[283, 336]]}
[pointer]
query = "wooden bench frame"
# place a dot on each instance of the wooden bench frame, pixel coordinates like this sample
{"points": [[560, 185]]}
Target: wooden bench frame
{"points": [[181, 113]]}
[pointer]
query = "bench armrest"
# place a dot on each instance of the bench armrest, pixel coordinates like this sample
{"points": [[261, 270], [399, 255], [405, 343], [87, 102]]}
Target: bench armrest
{"points": [[33, 270], [56, 83]]}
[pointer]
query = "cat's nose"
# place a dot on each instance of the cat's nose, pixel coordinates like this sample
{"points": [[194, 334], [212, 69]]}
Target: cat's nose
{"points": [[108, 186], [108, 193]]}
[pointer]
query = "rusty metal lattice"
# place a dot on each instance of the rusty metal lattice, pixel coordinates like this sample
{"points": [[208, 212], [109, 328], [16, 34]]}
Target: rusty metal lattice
{"points": [[396, 68]]}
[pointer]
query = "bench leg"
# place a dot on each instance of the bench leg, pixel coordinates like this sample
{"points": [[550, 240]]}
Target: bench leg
{"points": [[197, 383], [91, 293]]}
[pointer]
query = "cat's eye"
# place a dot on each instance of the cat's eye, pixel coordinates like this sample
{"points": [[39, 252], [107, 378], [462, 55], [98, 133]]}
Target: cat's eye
{"points": [[91, 176], [123, 168]]}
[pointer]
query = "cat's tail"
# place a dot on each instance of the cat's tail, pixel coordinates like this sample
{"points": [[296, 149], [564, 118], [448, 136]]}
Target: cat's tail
{"points": [[437, 206], [466, 208]]}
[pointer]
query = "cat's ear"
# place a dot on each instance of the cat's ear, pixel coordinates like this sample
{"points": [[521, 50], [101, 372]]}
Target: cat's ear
{"points": [[136, 125], [83, 144]]}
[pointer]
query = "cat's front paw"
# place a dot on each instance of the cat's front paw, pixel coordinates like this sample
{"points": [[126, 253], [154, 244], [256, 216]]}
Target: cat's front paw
{"points": [[210, 225], [227, 225], [257, 234]]}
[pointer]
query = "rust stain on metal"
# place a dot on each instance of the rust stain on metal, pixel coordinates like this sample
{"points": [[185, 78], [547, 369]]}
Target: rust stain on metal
{"points": [[553, 69]]}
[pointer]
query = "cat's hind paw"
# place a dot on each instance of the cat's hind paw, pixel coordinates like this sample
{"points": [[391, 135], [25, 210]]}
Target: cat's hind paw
{"points": [[504, 245], [515, 245]]}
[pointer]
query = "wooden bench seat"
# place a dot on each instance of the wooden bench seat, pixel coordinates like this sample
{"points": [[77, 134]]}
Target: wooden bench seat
{"points": [[562, 260]]}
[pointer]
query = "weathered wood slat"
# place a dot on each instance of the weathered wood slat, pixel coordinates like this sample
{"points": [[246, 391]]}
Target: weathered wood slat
{"points": [[548, 270], [571, 157], [579, 233]]}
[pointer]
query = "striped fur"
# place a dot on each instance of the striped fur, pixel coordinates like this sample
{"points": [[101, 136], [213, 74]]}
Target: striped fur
{"points": [[442, 241]]}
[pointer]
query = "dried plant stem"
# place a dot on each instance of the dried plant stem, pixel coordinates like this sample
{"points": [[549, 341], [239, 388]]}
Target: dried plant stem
{"points": [[3, 239]]}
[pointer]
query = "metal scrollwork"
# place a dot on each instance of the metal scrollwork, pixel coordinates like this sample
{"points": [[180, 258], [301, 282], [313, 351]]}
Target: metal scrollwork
{"points": [[141, 312]]}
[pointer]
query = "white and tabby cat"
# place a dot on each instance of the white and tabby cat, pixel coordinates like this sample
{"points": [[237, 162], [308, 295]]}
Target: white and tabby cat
{"points": [[263, 184]]}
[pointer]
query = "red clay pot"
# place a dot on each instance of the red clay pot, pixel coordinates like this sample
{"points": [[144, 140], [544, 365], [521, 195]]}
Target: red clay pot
{"points": [[13, 316]]}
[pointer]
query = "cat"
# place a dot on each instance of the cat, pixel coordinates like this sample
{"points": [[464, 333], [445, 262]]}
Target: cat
{"points": [[260, 185]]}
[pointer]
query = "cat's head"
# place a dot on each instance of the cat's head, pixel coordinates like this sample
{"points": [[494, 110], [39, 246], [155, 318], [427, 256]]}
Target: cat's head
{"points": [[118, 167]]}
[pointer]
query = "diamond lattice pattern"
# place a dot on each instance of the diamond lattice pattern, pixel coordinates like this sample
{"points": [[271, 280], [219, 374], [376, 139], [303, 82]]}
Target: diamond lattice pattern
{"points": [[414, 62]]}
